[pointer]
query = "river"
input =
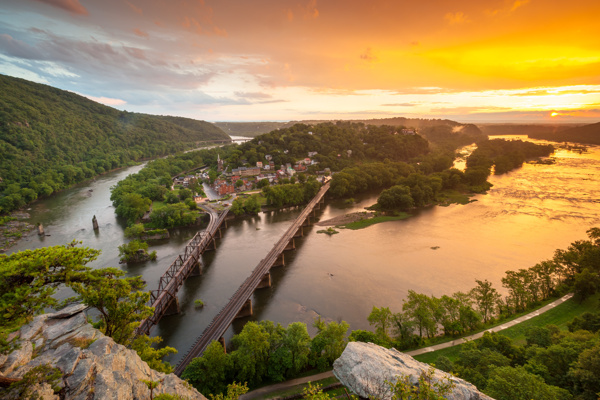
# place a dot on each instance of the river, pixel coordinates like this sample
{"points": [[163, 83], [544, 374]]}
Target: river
{"points": [[527, 214]]}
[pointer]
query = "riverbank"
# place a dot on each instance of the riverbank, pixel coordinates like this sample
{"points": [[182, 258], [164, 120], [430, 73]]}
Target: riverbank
{"points": [[429, 354], [364, 219], [12, 228]]}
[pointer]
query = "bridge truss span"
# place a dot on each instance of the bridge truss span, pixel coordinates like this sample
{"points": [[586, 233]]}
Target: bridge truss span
{"points": [[240, 304], [164, 298]]}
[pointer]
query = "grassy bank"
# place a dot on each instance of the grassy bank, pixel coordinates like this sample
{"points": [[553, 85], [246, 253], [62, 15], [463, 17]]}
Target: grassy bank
{"points": [[559, 316], [364, 223]]}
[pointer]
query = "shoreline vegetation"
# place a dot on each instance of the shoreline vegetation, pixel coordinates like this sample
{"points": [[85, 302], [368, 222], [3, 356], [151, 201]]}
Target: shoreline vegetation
{"points": [[428, 320], [560, 315], [363, 219]]}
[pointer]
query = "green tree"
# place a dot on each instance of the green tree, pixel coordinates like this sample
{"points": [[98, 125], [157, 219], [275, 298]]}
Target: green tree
{"points": [[142, 345], [382, 319], [252, 205], [508, 383], [237, 206], [585, 284], [208, 373], [329, 343], [539, 336], [171, 198], [234, 391], [29, 279], [134, 231], [486, 298], [185, 194], [133, 207], [120, 302], [396, 198], [428, 388], [173, 215], [315, 392], [297, 340], [585, 373], [251, 353], [422, 310], [212, 176], [135, 251]]}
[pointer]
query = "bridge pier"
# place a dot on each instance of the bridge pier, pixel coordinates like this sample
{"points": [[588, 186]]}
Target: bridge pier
{"points": [[222, 341], [265, 282], [291, 245], [218, 234], [246, 310], [212, 245], [280, 261], [173, 307], [306, 221], [299, 233], [196, 269]]}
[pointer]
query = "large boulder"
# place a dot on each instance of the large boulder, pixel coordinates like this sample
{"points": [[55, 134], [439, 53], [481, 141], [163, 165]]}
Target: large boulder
{"points": [[365, 367], [93, 366]]}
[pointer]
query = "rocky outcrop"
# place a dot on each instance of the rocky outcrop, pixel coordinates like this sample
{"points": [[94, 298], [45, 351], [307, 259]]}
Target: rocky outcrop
{"points": [[364, 368], [93, 366]]}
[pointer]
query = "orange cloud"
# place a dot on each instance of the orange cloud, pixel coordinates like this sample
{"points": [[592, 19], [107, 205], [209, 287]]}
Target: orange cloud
{"points": [[510, 6], [518, 3], [72, 6], [456, 18], [311, 9], [135, 9], [368, 55], [140, 32]]}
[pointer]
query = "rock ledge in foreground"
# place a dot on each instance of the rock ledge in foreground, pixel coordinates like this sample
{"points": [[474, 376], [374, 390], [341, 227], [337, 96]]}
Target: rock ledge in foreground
{"points": [[92, 364]]}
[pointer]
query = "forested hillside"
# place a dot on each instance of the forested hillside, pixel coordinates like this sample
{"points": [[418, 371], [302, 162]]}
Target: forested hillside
{"points": [[51, 139], [589, 134]]}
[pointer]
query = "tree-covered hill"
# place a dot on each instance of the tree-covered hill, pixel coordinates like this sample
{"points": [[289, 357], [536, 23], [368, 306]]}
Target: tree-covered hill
{"points": [[589, 134], [51, 139], [524, 129]]}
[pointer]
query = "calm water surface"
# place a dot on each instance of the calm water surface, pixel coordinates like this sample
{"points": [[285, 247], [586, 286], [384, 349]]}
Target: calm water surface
{"points": [[528, 214]]}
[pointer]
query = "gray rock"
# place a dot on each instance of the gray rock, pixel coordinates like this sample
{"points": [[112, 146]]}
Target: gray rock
{"points": [[68, 312], [17, 358], [41, 391], [82, 373], [67, 362], [365, 368], [33, 328], [77, 337], [101, 369], [55, 328]]}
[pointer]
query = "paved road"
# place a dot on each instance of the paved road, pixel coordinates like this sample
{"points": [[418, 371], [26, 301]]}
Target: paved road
{"points": [[299, 381]]}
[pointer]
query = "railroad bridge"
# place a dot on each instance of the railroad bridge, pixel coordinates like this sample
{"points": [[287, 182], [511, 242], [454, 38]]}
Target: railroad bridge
{"points": [[240, 304], [164, 299]]}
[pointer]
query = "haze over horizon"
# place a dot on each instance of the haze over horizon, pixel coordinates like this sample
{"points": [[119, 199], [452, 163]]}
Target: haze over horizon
{"points": [[233, 60]]}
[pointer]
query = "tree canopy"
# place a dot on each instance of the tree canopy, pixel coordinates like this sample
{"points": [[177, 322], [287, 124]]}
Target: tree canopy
{"points": [[51, 139]]}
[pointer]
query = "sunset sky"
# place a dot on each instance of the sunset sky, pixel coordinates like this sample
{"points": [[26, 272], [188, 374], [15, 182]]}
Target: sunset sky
{"points": [[251, 60]]}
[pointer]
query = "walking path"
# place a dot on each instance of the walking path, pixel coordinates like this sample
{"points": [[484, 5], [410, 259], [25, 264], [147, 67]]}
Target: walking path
{"points": [[299, 381]]}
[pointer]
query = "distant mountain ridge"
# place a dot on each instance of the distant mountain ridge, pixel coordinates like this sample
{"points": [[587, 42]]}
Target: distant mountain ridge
{"points": [[258, 128], [51, 139], [586, 134]]}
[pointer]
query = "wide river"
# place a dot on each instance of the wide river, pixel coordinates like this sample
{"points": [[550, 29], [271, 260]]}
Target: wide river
{"points": [[528, 214]]}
